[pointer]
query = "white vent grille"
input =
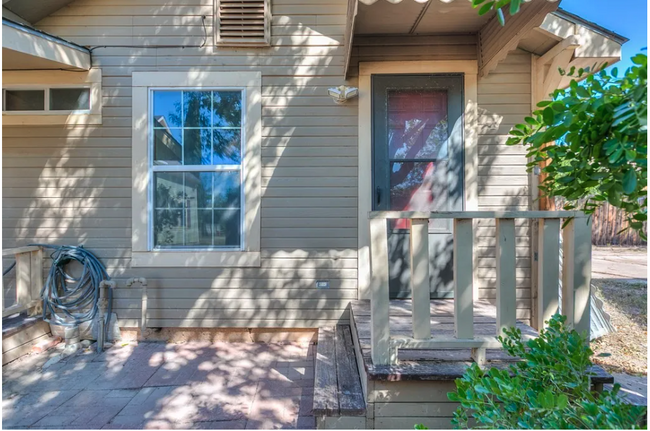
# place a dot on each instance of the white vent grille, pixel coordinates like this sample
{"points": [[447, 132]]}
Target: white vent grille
{"points": [[243, 22]]}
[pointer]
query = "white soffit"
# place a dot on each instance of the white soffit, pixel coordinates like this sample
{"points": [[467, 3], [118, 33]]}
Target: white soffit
{"points": [[26, 48]]}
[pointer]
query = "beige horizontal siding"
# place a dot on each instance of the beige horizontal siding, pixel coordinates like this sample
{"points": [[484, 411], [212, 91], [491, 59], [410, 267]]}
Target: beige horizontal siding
{"points": [[72, 185], [504, 100]]}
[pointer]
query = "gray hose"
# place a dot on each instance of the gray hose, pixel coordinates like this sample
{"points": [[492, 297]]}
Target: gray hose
{"points": [[67, 300]]}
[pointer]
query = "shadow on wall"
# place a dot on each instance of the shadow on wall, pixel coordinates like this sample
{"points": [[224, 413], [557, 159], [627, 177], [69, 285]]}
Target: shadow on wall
{"points": [[72, 185]]}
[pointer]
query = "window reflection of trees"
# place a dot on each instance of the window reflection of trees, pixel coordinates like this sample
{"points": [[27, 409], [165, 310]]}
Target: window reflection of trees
{"points": [[207, 203]]}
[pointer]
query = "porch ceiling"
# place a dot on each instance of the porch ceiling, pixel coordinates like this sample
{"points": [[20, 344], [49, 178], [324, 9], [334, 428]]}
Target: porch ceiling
{"points": [[416, 17]]}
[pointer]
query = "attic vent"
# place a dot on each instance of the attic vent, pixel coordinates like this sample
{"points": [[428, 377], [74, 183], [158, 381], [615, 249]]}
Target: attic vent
{"points": [[243, 22]]}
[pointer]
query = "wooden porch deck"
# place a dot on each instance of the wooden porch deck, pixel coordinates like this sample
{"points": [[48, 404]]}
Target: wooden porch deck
{"points": [[433, 364], [430, 364]]}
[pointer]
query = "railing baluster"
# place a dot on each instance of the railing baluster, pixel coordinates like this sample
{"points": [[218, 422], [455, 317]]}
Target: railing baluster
{"points": [[420, 290], [36, 276], [506, 274], [576, 273], [548, 272], [379, 304], [23, 279], [463, 279]]}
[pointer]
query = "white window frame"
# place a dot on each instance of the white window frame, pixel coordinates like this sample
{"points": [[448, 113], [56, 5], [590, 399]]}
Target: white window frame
{"points": [[53, 79], [201, 168], [144, 254]]}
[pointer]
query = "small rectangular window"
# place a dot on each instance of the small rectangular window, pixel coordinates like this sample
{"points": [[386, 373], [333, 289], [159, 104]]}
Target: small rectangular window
{"points": [[24, 100], [196, 138], [69, 99]]}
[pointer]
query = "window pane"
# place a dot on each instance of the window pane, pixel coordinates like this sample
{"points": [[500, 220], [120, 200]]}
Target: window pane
{"points": [[196, 145], [166, 109], [197, 108], [25, 100], [168, 228], [167, 147], [227, 109], [198, 227], [417, 124], [227, 228], [198, 189], [420, 186], [69, 99], [227, 190], [169, 190], [227, 147]]}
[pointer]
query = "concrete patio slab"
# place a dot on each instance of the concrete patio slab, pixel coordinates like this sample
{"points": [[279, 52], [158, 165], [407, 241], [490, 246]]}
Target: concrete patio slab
{"points": [[195, 385]]}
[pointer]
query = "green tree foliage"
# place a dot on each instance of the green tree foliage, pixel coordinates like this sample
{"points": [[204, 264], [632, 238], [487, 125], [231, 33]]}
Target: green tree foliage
{"points": [[591, 140], [498, 6], [548, 389]]}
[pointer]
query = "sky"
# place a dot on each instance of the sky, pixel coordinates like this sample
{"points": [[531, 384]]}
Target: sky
{"points": [[628, 18]]}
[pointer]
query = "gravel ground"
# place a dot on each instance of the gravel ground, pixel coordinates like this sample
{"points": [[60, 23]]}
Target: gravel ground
{"points": [[627, 348]]}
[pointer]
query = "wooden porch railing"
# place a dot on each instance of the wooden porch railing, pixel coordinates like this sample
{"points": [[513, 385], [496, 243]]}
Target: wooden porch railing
{"points": [[576, 277], [29, 278]]}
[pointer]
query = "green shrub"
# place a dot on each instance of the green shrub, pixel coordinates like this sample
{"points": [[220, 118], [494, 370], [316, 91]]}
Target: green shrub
{"points": [[548, 389]]}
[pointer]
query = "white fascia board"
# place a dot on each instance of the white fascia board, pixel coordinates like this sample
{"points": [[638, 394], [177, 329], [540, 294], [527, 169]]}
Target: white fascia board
{"points": [[31, 42]]}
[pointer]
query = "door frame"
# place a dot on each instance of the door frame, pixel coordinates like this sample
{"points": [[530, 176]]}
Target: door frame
{"points": [[469, 68]]}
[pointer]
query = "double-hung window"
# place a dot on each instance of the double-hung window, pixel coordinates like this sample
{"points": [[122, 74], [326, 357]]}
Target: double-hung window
{"points": [[196, 140], [196, 193]]}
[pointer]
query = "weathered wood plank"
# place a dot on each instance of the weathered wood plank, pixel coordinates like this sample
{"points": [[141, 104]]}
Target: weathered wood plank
{"points": [[350, 393], [506, 275], [326, 400], [576, 273], [420, 278], [379, 291], [463, 279], [548, 273]]}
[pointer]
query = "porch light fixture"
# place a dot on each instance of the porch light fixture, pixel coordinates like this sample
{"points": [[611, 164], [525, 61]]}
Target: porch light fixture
{"points": [[343, 93]]}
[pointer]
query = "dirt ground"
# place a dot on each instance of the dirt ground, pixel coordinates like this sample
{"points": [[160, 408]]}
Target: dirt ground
{"points": [[620, 277], [625, 302]]}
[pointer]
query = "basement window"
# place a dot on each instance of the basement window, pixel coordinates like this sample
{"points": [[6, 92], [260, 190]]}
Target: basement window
{"points": [[242, 22]]}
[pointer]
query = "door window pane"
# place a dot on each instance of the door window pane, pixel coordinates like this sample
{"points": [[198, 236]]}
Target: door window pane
{"points": [[419, 186], [69, 99], [24, 100], [417, 124]]}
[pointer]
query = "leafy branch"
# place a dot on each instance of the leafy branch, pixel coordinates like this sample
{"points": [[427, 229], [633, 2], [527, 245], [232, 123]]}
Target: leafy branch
{"points": [[498, 6], [590, 141]]}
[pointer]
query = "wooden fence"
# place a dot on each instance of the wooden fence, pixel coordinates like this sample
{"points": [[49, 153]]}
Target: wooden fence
{"points": [[607, 222]]}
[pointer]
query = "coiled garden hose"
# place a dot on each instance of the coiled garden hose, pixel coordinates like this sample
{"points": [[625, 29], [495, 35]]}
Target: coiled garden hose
{"points": [[67, 300]]}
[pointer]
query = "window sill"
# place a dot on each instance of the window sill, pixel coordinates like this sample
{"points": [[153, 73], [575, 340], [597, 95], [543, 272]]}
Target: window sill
{"points": [[195, 259]]}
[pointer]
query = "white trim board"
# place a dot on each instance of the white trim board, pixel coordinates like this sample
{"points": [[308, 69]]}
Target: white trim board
{"points": [[143, 254], [469, 68]]}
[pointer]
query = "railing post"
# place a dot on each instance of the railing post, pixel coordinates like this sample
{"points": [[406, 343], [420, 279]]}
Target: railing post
{"points": [[23, 278], [548, 273], [379, 302], [36, 276], [463, 279], [576, 273], [506, 274], [420, 292]]}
